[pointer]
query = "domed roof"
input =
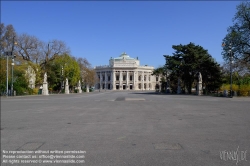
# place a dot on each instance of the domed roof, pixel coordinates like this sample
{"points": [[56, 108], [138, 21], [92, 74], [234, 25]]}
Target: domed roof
{"points": [[124, 56]]}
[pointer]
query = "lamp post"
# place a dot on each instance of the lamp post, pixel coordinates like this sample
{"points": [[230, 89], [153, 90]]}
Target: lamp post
{"points": [[230, 52], [46, 58], [7, 70], [12, 65], [62, 80], [167, 82], [7, 54]]}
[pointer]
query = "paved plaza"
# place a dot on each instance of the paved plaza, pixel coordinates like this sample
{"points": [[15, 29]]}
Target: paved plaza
{"points": [[130, 128]]}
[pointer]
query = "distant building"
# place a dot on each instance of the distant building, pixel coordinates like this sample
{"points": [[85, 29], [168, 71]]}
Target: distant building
{"points": [[125, 73]]}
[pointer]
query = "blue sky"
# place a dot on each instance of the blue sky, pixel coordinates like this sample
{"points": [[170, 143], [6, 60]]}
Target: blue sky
{"points": [[99, 30]]}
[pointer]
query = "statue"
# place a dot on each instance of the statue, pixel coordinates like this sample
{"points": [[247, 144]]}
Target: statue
{"points": [[79, 87], [199, 84], [200, 77], [67, 86], [67, 82], [45, 85], [45, 77]]}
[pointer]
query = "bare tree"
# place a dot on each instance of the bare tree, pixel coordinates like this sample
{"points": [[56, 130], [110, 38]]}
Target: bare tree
{"points": [[7, 34], [29, 47], [52, 49], [88, 74]]}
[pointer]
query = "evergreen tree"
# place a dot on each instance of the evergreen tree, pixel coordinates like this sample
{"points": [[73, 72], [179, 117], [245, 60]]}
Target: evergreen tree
{"points": [[185, 64]]}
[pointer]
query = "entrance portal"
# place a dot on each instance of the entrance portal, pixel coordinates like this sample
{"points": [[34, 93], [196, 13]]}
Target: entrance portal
{"points": [[124, 86], [131, 87], [117, 86]]}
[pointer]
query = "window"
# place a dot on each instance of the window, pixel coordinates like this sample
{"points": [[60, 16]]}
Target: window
{"points": [[124, 78], [145, 78], [103, 78], [117, 78], [108, 78], [157, 78], [139, 78], [149, 78], [131, 77]]}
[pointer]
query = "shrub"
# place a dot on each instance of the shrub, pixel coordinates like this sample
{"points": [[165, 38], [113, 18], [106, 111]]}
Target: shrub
{"points": [[225, 87], [244, 90], [35, 91], [228, 87], [235, 87]]}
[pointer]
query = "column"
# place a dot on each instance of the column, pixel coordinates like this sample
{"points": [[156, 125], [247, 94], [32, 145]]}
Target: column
{"points": [[127, 81], [100, 80], [113, 79], [148, 81], [142, 80], [105, 80], [120, 81], [96, 85], [134, 81]]}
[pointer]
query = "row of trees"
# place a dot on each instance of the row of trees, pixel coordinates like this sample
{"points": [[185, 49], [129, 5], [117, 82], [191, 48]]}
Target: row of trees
{"points": [[53, 57], [188, 60]]}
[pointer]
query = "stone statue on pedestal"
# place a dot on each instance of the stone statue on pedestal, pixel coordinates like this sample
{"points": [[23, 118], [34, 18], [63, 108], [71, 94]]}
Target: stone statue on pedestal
{"points": [[79, 87], [45, 77], [199, 85], [45, 85], [87, 88], [67, 86], [200, 77]]}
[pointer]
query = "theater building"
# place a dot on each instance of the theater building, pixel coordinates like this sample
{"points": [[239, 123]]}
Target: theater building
{"points": [[125, 73]]}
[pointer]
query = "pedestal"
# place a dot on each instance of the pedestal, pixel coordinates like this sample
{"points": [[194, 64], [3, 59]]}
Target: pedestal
{"points": [[87, 88], [199, 89], [79, 89], [179, 90], [45, 89], [66, 89]]}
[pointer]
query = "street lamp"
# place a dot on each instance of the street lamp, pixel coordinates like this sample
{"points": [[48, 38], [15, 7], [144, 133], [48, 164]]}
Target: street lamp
{"points": [[12, 66], [62, 80], [46, 58], [230, 52], [167, 82], [7, 54]]}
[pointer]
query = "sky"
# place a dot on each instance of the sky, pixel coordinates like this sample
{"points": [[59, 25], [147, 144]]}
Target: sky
{"points": [[98, 30]]}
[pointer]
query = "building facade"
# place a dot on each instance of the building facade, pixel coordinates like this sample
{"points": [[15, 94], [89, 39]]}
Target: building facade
{"points": [[125, 73]]}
